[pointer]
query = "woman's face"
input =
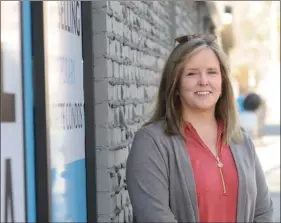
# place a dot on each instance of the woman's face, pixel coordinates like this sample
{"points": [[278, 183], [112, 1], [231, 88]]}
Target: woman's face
{"points": [[200, 84]]}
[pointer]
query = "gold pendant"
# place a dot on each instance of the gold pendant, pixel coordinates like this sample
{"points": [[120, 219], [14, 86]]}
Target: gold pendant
{"points": [[220, 164]]}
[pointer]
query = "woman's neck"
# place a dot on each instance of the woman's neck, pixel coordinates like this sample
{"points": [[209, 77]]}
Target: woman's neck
{"points": [[205, 118]]}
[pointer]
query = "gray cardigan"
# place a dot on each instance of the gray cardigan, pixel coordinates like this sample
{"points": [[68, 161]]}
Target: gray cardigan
{"points": [[162, 188]]}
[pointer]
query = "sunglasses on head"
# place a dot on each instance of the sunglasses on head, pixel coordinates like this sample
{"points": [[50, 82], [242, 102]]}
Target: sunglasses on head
{"points": [[186, 38]]}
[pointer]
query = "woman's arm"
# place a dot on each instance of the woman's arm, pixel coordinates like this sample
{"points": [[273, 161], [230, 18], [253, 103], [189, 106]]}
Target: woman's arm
{"points": [[147, 181], [264, 205]]}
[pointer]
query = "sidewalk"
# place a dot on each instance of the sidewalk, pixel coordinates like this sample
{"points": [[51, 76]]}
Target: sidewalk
{"points": [[269, 152]]}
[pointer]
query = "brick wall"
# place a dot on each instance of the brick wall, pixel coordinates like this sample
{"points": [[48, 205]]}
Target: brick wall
{"points": [[131, 41]]}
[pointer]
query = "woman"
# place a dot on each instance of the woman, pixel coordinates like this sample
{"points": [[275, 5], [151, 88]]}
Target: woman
{"points": [[192, 162]]}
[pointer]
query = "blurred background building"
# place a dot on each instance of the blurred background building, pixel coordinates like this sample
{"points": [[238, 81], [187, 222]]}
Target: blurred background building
{"points": [[255, 55]]}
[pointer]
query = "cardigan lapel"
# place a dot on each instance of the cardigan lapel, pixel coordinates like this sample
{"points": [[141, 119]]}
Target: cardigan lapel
{"points": [[185, 162], [242, 196]]}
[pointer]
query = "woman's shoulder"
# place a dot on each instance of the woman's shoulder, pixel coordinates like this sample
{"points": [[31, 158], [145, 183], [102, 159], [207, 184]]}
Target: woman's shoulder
{"points": [[246, 145], [154, 129], [247, 138], [153, 133], [150, 141]]}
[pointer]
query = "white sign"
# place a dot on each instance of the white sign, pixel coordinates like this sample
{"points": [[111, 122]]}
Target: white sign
{"points": [[12, 143], [66, 124]]}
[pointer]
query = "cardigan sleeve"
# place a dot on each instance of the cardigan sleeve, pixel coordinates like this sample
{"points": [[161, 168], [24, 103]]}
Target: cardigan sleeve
{"points": [[264, 204], [147, 181]]}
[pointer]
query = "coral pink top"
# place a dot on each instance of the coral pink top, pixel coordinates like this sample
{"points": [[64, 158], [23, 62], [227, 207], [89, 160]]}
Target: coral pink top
{"points": [[217, 187]]}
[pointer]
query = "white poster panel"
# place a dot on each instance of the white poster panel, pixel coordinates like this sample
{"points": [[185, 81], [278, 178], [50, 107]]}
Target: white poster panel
{"points": [[12, 144], [66, 126]]}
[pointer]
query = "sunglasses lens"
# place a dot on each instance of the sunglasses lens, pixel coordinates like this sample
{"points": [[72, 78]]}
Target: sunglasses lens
{"points": [[186, 38]]}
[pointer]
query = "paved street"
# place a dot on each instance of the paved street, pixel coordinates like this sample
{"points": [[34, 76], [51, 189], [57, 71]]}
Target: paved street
{"points": [[269, 155], [271, 130], [273, 178]]}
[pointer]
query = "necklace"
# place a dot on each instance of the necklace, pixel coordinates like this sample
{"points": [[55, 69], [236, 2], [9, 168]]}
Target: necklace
{"points": [[220, 165]]}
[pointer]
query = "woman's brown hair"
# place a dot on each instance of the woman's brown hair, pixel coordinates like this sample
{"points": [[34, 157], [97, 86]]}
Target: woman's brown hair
{"points": [[168, 106]]}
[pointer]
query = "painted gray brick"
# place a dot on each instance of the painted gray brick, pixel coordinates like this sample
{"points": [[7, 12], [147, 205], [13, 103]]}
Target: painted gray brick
{"points": [[100, 67], [104, 218], [102, 91], [104, 158], [103, 137], [131, 41], [105, 204], [99, 21], [105, 182]]}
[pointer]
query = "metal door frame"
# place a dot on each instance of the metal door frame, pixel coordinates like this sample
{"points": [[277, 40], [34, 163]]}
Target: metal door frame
{"points": [[90, 153]]}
